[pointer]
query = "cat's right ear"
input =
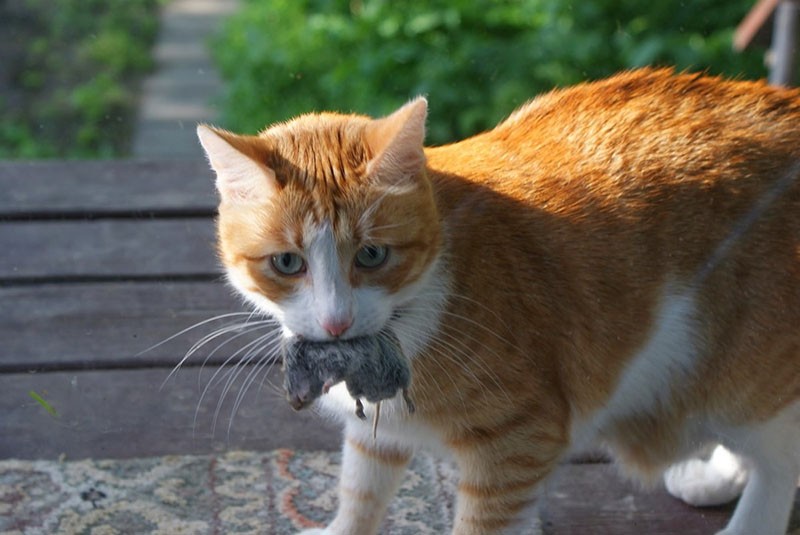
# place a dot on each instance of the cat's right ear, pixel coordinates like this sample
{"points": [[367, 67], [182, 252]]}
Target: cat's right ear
{"points": [[240, 178]]}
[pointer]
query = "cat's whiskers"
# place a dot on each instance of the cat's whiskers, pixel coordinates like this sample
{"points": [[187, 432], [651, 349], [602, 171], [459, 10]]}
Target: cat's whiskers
{"points": [[268, 342], [276, 358], [470, 357], [232, 372], [266, 364], [443, 350], [268, 350], [226, 368], [239, 328], [468, 354], [484, 328], [443, 311], [460, 395], [231, 339], [190, 328], [455, 350], [451, 294]]}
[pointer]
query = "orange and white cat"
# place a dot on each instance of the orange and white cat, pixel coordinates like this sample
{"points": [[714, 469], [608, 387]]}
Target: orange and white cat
{"points": [[617, 262]]}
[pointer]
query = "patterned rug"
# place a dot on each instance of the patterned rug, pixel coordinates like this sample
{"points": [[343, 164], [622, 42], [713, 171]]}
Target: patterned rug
{"points": [[274, 493], [279, 492]]}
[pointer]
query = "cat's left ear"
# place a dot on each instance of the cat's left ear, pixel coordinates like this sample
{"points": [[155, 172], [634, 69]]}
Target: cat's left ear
{"points": [[396, 143]]}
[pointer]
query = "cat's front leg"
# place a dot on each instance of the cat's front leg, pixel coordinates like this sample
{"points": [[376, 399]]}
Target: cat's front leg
{"points": [[372, 471], [498, 491]]}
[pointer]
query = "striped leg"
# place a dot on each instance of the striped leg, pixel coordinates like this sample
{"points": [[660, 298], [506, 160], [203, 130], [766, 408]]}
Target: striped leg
{"points": [[371, 474], [498, 495]]}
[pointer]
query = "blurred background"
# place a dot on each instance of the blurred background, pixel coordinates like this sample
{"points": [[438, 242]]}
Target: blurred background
{"points": [[78, 78]]}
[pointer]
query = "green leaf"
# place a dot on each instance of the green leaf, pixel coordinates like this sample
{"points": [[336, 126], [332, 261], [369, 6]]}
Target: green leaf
{"points": [[41, 401]]}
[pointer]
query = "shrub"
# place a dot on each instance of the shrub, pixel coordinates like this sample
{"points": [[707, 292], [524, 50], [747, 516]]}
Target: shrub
{"points": [[72, 87], [476, 59]]}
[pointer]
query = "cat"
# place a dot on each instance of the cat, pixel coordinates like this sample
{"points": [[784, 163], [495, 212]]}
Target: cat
{"points": [[617, 262]]}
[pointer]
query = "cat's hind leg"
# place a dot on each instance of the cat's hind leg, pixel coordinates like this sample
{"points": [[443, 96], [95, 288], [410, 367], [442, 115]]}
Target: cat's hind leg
{"points": [[773, 453], [714, 478]]}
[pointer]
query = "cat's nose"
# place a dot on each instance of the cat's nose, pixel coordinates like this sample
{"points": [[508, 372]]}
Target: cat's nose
{"points": [[337, 328]]}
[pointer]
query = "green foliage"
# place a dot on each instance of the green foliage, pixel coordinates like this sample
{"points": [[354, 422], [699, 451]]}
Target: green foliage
{"points": [[74, 85], [475, 59]]}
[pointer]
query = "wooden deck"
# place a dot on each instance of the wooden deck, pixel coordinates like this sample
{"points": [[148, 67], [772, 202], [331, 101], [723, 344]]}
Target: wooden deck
{"points": [[102, 260]]}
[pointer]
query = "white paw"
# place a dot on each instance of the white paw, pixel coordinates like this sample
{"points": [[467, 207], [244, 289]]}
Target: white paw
{"points": [[715, 481], [315, 531]]}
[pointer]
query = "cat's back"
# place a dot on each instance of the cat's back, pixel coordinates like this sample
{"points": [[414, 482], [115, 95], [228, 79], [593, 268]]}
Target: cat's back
{"points": [[635, 165], [644, 127]]}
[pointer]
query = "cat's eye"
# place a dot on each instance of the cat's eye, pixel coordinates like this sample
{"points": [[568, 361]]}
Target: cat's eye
{"points": [[372, 256], [288, 264]]}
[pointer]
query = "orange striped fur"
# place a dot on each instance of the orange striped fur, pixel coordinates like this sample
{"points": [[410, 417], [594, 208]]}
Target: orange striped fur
{"points": [[616, 263]]}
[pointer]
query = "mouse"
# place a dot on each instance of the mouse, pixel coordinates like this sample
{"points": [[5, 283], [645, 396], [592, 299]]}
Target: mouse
{"points": [[372, 367]]}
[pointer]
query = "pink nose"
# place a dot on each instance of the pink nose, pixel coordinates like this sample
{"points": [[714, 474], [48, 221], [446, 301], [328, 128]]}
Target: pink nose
{"points": [[338, 327]]}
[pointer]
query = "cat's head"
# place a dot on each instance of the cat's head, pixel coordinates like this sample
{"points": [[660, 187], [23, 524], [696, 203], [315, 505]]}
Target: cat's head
{"points": [[327, 222]]}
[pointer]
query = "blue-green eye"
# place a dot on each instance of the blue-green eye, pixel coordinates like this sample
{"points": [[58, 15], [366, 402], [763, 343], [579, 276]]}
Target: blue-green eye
{"points": [[288, 263], [372, 256]]}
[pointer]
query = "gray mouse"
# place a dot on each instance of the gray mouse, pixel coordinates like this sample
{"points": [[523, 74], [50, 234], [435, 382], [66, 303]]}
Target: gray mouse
{"points": [[372, 367]]}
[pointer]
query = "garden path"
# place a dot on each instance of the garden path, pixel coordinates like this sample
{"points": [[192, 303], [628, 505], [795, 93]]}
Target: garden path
{"points": [[180, 92]]}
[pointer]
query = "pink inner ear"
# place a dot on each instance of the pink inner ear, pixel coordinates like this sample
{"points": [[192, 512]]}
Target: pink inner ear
{"points": [[397, 143], [240, 178]]}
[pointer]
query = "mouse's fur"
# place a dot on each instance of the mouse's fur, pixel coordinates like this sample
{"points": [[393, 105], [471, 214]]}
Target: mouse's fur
{"points": [[373, 367]]}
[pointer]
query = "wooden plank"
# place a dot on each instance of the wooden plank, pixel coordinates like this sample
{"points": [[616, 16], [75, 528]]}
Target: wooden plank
{"points": [[106, 325], [593, 498], [102, 187], [109, 247], [126, 413]]}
